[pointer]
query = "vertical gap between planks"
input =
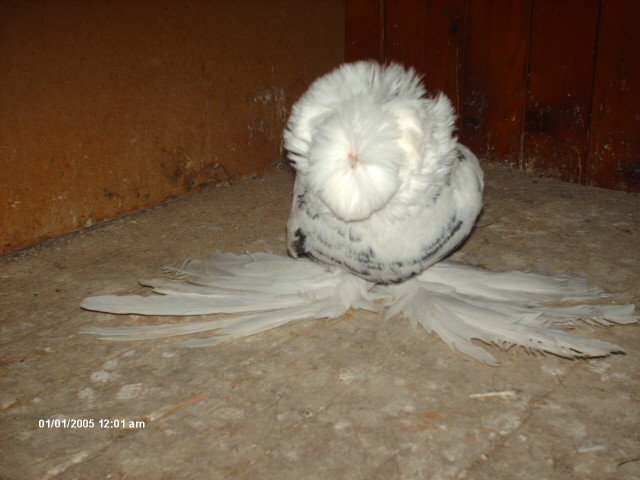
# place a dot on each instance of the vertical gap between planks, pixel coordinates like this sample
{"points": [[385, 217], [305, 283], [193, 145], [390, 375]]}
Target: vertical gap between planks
{"points": [[382, 52], [527, 78], [584, 162], [461, 43]]}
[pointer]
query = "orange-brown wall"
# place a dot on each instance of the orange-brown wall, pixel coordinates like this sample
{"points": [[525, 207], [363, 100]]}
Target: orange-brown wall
{"points": [[107, 107]]}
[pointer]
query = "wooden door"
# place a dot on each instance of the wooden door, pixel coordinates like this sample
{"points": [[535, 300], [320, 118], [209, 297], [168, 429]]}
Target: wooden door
{"points": [[544, 85]]}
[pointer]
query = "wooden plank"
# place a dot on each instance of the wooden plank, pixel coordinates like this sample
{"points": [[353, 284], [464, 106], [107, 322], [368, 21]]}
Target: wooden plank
{"points": [[427, 35], [561, 69], [363, 30], [614, 146], [110, 107], [494, 72]]}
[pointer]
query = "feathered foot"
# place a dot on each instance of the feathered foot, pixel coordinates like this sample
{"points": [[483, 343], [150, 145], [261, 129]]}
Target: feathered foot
{"points": [[461, 303], [458, 302], [269, 290]]}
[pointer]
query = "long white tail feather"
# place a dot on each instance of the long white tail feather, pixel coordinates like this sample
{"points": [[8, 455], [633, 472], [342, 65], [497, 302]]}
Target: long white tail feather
{"points": [[226, 329], [459, 303], [457, 319], [515, 286]]}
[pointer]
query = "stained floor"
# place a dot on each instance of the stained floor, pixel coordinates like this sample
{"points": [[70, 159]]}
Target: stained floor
{"points": [[356, 397]]}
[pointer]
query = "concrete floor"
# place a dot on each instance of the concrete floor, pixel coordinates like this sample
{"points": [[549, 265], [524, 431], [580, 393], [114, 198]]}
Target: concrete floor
{"points": [[350, 398]]}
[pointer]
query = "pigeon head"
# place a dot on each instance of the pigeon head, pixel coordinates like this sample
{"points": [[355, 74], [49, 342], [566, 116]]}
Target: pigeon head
{"points": [[355, 158]]}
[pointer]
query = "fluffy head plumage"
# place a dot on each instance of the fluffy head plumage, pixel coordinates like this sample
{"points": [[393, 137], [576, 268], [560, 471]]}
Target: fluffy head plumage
{"points": [[365, 136], [354, 159]]}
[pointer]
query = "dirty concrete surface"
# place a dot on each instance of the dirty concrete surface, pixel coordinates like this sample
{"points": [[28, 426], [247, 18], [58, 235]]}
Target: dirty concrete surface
{"points": [[356, 397]]}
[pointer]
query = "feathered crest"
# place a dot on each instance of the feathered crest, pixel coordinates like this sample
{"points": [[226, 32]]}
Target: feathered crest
{"points": [[363, 129]]}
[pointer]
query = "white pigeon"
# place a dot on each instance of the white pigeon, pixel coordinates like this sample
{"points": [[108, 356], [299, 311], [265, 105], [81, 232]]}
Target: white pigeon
{"points": [[383, 193], [383, 188]]}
